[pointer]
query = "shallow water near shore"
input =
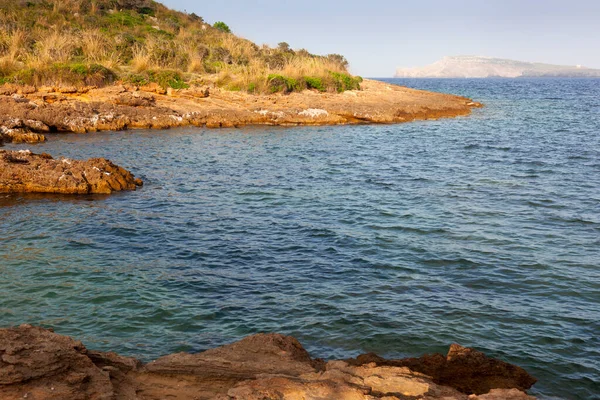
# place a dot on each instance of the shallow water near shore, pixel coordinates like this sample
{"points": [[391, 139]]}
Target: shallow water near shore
{"points": [[396, 239]]}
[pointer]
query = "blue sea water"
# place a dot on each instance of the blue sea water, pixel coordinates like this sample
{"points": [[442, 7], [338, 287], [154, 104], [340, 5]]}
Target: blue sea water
{"points": [[397, 239]]}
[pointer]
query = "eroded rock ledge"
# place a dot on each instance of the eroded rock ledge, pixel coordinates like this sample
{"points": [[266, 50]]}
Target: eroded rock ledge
{"points": [[38, 364], [25, 172], [29, 113]]}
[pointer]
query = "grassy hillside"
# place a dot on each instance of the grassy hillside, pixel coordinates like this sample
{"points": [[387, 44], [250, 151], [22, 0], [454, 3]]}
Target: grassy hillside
{"points": [[98, 42]]}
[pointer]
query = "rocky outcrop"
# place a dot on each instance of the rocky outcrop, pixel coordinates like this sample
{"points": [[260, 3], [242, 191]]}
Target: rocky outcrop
{"points": [[25, 172], [48, 109], [14, 130], [38, 364], [467, 370]]}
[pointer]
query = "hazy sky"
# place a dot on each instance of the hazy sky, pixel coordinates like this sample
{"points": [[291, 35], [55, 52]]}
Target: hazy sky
{"points": [[377, 36]]}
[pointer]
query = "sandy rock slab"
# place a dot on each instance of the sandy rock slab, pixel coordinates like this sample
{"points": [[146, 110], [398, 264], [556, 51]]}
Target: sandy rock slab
{"points": [[39, 364], [25, 172], [28, 111]]}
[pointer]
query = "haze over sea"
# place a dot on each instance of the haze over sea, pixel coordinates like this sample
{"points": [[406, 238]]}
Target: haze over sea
{"points": [[397, 239]]}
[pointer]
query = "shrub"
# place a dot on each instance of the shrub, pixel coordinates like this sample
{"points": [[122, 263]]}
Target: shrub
{"points": [[137, 79], [222, 26], [279, 83], [343, 82], [284, 47], [212, 67], [125, 18], [25, 76], [221, 54], [315, 83], [275, 61], [338, 59], [167, 78]]}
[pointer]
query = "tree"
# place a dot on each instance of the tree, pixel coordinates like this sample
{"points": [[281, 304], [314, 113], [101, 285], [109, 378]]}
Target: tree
{"points": [[338, 59], [284, 46], [222, 26]]}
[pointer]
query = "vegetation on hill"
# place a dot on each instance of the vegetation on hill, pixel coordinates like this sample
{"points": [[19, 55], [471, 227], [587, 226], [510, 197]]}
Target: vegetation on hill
{"points": [[98, 42]]}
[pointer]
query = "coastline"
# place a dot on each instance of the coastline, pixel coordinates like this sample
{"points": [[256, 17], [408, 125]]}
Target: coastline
{"points": [[37, 363], [29, 114]]}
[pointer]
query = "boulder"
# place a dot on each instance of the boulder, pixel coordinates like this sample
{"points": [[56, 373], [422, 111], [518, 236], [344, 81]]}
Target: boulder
{"points": [[25, 172], [38, 364], [467, 370]]}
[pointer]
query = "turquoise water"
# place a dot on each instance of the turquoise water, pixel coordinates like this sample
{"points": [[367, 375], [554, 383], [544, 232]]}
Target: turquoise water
{"points": [[400, 239]]}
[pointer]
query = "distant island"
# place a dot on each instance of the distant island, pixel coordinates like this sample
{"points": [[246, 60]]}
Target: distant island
{"points": [[489, 67]]}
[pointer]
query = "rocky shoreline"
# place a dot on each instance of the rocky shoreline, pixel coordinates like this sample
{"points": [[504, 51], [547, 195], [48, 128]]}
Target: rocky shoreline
{"points": [[25, 172], [37, 364], [28, 114], [31, 115]]}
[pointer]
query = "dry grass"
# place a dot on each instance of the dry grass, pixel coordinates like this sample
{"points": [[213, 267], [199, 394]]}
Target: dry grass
{"points": [[97, 49], [141, 59], [50, 35], [55, 47]]}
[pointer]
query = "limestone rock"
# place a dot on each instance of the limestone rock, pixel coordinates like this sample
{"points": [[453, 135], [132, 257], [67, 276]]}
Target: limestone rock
{"points": [[467, 370], [252, 356], [121, 107], [136, 99], [38, 364], [25, 172]]}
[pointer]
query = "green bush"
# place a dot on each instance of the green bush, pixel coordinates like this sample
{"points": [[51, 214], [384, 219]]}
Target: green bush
{"points": [[279, 83], [137, 79], [212, 67], [25, 76], [342, 82], [222, 26], [146, 11], [78, 69], [124, 18], [77, 74], [167, 78], [315, 83]]}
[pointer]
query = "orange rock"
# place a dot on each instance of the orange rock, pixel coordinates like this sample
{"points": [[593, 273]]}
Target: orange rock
{"points": [[38, 363], [25, 172], [119, 107]]}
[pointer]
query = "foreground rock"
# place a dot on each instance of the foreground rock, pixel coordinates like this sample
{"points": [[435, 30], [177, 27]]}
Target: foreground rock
{"points": [[37, 364], [43, 110], [25, 172]]}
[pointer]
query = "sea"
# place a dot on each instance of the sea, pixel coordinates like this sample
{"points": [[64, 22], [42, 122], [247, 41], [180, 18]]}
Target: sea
{"points": [[395, 239]]}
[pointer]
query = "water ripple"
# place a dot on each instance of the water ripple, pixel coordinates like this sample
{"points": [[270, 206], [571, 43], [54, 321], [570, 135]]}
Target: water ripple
{"points": [[395, 239]]}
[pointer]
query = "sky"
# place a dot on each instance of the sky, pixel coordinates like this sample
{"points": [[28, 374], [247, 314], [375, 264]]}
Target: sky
{"points": [[378, 36]]}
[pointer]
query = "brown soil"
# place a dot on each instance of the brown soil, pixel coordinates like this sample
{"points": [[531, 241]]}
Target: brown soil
{"points": [[38, 364], [27, 110], [25, 172]]}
